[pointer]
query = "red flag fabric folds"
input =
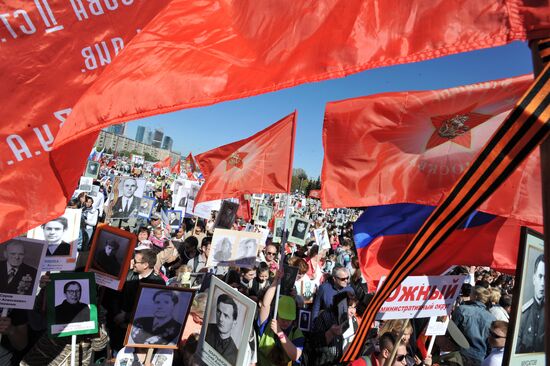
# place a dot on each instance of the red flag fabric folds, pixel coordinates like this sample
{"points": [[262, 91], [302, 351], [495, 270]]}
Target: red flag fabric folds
{"points": [[259, 164], [383, 232], [164, 163], [52, 51], [411, 147], [176, 168], [193, 53]]}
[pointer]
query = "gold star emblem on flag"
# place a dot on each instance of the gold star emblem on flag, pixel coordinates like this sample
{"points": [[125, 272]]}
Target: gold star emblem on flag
{"points": [[235, 160], [455, 127]]}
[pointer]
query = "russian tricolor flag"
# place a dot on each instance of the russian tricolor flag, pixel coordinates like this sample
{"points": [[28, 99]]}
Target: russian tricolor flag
{"points": [[382, 233]]}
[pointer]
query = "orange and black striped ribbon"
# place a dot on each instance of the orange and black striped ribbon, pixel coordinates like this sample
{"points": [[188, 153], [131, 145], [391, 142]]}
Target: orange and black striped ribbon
{"points": [[525, 127], [543, 46]]}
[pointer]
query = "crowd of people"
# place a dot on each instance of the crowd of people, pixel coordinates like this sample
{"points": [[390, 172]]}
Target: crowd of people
{"points": [[308, 327]]}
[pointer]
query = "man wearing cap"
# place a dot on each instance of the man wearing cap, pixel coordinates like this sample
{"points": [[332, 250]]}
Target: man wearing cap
{"points": [[218, 335], [281, 341], [497, 341]]}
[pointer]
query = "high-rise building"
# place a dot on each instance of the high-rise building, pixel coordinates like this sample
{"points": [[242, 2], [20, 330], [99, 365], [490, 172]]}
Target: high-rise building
{"points": [[148, 137], [140, 134], [167, 143], [158, 135], [118, 129]]}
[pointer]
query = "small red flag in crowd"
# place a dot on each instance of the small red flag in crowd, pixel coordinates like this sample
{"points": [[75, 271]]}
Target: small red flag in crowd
{"points": [[176, 168], [259, 164]]}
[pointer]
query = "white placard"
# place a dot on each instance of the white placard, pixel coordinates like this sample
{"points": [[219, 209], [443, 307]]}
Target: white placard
{"points": [[437, 325], [421, 297]]}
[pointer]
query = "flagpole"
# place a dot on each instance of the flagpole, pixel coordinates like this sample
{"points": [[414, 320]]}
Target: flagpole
{"points": [[281, 262], [538, 47]]}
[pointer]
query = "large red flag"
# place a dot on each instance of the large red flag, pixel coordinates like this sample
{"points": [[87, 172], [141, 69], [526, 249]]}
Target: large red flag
{"points": [[194, 53], [411, 147], [259, 164]]}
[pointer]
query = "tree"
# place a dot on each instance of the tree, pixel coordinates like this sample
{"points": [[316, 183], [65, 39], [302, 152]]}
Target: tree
{"points": [[299, 180]]}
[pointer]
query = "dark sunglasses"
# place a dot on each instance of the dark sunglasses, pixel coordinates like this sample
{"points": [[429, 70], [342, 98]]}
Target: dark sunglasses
{"points": [[270, 253], [494, 335], [343, 278], [400, 358]]}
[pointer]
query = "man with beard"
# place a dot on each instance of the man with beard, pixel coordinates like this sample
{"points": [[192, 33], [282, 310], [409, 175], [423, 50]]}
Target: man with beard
{"points": [[71, 310]]}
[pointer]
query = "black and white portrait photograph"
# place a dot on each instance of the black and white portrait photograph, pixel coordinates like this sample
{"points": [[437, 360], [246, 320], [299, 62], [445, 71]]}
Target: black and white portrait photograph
{"points": [[263, 215], [20, 266], [527, 316], [128, 192], [60, 235], [222, 248], [229, 315], [130, 356], [175, 218], [289, 279], [247, 251], [299, 231], [227, 214], [110, 255], [146, 205], [278, 230], [72, 305], [159, 317], [193, 189], [179, 200], [304, 320], [92, 169], [86, 184], [322, 239]]}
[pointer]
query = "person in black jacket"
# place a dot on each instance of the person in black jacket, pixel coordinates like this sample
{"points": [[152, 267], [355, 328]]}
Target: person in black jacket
{"points": [[71, 310], [16, 277], [105, 259], [53, 234]]}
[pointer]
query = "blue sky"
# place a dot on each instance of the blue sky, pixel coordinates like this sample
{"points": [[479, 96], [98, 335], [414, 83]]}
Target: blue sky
{"points": [[201, 129]]}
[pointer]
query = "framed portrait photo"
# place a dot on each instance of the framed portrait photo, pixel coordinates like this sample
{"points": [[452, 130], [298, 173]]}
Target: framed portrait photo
{"points": [[278, 227], [174, 219], [125, 197], [60, 236], [159, 316], [304, 320], [263, 215], [232, 247], [92, 169], [86, 184], [110, 256], [299, 231], [146, 205], [226, 216], [228, 322], [72, 305], [20, 265], [525, 341], [322, 239]]}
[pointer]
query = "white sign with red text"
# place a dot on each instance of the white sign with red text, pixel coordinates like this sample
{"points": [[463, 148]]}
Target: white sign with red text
{"points": [[421, 297]]}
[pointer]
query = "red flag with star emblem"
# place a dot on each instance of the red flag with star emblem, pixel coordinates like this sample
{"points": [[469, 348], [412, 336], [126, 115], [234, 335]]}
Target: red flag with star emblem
{"points": [[411, 147], [259, 164]]}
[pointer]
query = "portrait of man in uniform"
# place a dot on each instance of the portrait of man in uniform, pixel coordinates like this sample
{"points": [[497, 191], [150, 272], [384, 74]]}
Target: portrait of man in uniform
{"points": [[16, 277], [531, 328], [126, 205], [159, 316]]}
